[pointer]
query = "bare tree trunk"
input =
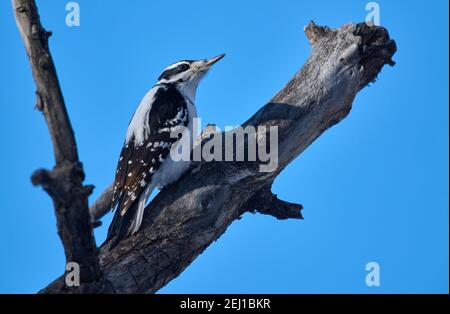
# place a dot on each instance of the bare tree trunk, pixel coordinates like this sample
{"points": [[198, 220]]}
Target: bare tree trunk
{"points": [[187, 216], [64, 183]]}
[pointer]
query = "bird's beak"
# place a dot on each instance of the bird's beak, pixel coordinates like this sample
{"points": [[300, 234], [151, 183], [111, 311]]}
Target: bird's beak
{"points": [[210, 62], [205, 64]]}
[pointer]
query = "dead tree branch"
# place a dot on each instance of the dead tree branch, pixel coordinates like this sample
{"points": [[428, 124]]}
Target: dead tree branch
{"points": [[64, 183], [186, 217]]}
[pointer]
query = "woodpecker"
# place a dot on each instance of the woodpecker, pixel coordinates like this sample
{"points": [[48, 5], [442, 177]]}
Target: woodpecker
{"points": [[145, 162]]}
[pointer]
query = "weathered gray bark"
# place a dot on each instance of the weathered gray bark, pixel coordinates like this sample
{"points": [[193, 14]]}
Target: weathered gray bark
{"points": [[64, 183], [186, 217]]}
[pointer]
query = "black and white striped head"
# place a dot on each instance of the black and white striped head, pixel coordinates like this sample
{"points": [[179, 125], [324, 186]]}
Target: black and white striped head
{"points": [[187, 72]]}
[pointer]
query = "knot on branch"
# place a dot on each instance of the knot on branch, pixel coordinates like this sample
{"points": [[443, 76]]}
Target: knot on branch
{"points": [[267, 203], [21, 9], [41, 177], [62, 182], [39, 101]]}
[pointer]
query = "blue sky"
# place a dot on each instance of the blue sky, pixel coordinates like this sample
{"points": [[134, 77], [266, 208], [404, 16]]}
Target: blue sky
{"points": [[374, 187]]}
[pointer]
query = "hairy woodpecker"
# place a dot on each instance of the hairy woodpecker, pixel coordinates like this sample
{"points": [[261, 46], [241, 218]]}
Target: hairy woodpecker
{"points": [[145, 161]]}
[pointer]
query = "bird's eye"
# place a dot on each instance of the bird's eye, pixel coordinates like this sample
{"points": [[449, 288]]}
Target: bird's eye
{"points": [[183, 67]]}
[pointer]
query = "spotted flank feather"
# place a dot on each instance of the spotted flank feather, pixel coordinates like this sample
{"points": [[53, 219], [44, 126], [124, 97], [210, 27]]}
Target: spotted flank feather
{"points": [[143, 153]]}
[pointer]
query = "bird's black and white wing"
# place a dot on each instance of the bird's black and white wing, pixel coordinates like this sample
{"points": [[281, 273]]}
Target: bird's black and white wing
{"points": [[148, 143]]}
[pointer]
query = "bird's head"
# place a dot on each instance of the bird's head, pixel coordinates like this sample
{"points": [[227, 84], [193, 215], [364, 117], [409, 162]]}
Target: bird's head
{"points": [[187, 73]]}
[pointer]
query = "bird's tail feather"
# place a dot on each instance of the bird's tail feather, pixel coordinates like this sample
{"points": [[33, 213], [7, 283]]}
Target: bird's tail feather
{"points": [[120, 226], [137, 219], [128, 223]]}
